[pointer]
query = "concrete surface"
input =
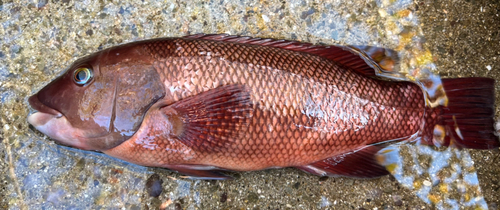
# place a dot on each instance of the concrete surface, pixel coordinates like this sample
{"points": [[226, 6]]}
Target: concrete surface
{"points": [[38, 39]]}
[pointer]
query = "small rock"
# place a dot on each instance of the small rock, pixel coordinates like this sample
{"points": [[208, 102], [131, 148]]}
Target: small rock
{"points": [[296, 185], [387, 207], [493, 206], [54, 197], [388, 189], [397, 200], [89, 32], [178, 206], [305, 14], [223, 197], [252, 197], [153, 185], [265, 18], [134, 207], [398, 203], [41, 3]]}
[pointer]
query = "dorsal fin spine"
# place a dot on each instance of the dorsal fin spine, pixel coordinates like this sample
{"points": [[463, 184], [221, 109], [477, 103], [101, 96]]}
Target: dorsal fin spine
{"points": [[350, 57]]}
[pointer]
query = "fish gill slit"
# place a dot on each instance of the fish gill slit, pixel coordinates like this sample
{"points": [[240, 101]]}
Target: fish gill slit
{"points": [[113, 112]]}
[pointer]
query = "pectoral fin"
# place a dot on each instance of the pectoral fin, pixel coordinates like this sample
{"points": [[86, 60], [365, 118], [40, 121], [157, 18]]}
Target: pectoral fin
{"points": [[211, 120]]}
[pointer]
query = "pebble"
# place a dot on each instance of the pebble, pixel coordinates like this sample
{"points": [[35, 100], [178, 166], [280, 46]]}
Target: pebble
{"points": [[223, 197], [397, 200], [252, 197], [153, 185], [55, 196]]}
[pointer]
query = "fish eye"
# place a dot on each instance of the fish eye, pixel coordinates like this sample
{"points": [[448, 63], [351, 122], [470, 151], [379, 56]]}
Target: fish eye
{"points": [[82, 75]]}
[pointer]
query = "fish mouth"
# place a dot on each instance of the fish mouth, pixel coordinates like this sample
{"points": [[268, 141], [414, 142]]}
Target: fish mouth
{"points": [[39, 106], [54, 124]]}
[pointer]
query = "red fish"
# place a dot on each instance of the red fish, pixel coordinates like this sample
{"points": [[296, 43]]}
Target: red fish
{"points": [[205, 103]]}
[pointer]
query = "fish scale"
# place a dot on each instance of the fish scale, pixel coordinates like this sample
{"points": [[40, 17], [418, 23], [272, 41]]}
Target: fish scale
{"points": [[280, 132]]}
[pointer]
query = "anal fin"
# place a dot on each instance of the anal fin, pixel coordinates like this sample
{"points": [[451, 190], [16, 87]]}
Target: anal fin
{"points": [[360, 163]]}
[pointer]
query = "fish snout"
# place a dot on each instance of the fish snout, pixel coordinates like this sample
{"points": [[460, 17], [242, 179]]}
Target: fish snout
{"points": [[54, 124], [39, 106]]}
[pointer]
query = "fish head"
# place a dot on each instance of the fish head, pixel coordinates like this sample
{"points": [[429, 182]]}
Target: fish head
{"points": [[100, 101]]}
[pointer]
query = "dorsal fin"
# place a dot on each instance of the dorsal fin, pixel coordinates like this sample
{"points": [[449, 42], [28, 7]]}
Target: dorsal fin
{"points": [[366, 60]]}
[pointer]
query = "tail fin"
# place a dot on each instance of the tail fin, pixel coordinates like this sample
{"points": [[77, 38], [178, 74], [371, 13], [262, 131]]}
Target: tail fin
{"points": [[467, 121]]}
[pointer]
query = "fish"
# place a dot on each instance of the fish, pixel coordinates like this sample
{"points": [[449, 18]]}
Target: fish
{"points": [[204, 104]]}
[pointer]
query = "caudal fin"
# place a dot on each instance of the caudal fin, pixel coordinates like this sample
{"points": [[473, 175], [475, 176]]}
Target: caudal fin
{"points": [[467, 121]]}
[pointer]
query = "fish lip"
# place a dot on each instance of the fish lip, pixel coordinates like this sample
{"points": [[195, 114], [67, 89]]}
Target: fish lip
{"points": [[53, 124], [39, 106]]}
